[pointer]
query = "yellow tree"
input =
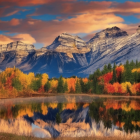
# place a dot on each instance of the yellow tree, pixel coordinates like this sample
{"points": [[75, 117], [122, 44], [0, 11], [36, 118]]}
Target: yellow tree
{"points": [[44, 78]]}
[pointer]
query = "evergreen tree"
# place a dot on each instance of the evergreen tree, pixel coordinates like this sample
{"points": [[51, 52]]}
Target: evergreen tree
{"points": [[82, 86], [109, 67], [65, 86], [60, 87], [77, 87], [137, 64], [128, 74], [114, 78], [105, 69], [132, 65], [47, 86]]}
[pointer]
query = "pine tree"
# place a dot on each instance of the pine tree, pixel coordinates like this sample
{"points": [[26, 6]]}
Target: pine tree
{"points": [[109, 67], [137, 64], [60, 87], [47, 86], [128, 74], [82, 86], [65, 86], [77, 87], [105, 69], [114, 78]]}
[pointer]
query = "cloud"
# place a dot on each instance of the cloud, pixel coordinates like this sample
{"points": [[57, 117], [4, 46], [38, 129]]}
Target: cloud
{"points": [[8, 10], [25, 38], [4, 39], [71, 8], [81, 7], [28, 2], [14, 22], [138, 16], [46, 31]]}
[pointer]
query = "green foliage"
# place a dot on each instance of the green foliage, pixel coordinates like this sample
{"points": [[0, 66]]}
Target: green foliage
{"points": [[38, 75], [16, 84], [35, 84], [105, 69], [77, 87], [82, 86], [114, 78], [65, 87], [109, 67], [47, 86], [58, 118], [3, 80], [60, 87]]}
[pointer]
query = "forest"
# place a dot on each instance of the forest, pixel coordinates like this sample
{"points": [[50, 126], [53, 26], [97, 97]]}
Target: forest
{"points": [[123, 79]]}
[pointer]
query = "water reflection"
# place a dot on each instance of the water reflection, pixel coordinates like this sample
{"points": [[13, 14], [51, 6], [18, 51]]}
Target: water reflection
{"points": [[103, 117]]}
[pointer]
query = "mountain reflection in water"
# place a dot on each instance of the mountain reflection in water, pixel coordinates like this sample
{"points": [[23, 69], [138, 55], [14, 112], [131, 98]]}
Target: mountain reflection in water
{"points": [[101, 117]]}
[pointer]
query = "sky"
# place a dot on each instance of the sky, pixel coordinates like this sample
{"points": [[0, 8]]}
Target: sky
{"points": [[39, 22]]}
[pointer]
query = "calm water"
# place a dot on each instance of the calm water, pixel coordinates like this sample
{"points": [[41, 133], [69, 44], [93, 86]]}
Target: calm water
{"points": [[71, 116]]}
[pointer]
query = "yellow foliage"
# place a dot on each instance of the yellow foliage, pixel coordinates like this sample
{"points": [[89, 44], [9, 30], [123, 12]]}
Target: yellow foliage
{"points": [[53, 105], [125, 107], [25, 111], [136, 123], [44, 78], [136, 70], [54, 83], [44, 109], [125, 85]]}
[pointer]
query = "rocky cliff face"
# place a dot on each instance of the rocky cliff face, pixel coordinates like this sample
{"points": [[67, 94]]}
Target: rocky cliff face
{"points": [[69, 44], [69, 55], [106, 38], [16, 46]]}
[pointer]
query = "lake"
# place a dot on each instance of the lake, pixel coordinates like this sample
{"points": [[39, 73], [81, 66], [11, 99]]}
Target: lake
{"points": [[71, 116]]}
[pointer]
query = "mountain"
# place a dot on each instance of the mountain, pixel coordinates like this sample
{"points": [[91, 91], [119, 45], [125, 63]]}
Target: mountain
{"points": [[69, 55]]}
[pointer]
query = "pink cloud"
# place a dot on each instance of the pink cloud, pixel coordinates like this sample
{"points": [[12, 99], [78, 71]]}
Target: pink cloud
{"points": [[4, 39], [25, 38], [28, 2], [46, 31], [14, 22]]}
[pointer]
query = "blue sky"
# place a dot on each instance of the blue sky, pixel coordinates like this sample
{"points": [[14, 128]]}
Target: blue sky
{"points": [[39, 22]]}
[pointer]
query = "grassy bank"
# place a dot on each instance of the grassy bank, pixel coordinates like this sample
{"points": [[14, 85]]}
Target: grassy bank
{"points": [[4, 136]]}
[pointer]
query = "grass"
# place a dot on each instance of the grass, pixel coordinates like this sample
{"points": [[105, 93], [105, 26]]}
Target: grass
{"points": [[5, 136]]}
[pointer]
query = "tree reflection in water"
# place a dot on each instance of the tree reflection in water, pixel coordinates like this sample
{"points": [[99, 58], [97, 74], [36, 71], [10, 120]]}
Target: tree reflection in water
{"points": [[71, 117]]}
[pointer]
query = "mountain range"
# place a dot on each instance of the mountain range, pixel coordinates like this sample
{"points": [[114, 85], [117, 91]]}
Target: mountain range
{"points": [[70, 55]]}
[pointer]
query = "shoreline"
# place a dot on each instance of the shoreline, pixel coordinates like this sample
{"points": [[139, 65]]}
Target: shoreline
{"points": [[72, 94]]}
